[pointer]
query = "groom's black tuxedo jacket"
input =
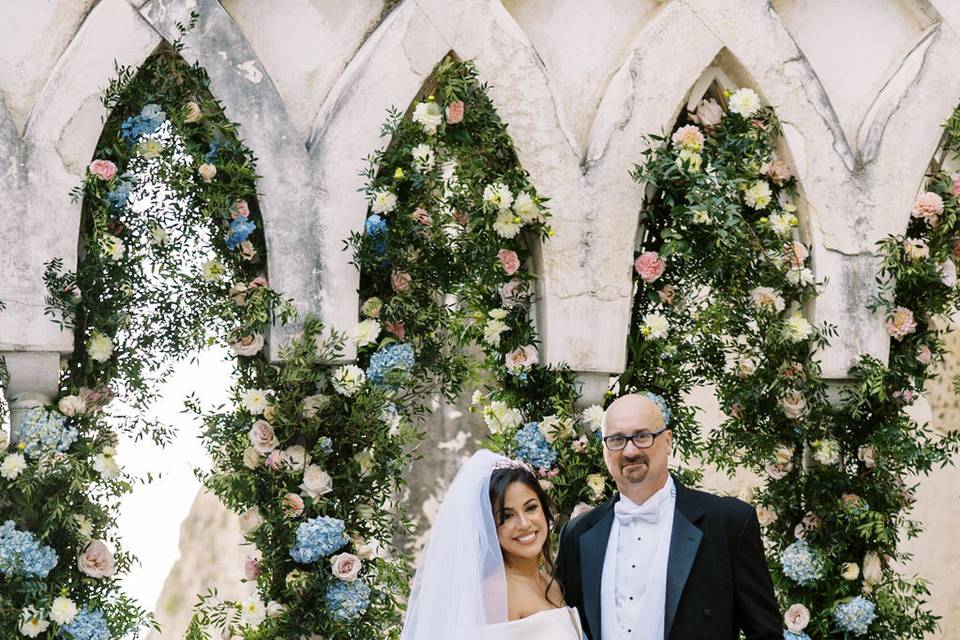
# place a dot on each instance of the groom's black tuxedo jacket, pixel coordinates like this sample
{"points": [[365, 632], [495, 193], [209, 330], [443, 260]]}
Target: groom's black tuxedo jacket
{"points": [[718, 583]]}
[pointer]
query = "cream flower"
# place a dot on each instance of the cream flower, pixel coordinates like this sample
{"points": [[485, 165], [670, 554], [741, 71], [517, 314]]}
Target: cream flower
{"points": [[366, 332], [252, 612], [312, 405], [255, 401], [262, 437], [526, 209], [758, 195], [744, 102], [593, 416], [915, 249], [251, 458], [105, 463], [248, 345], [782, 223], [72, 406], [849, 571], [498, 195], [597, 484], [96, 560], [655, 326], [507, 225], [366, 461], [428, 115], [99, 347], [766, 516], [794, 405], [12, 466], [63, 610], [493, 330], [796, 328], [112, 247], [689, 160], [767, 298], [499, 416], [250, 521], [900, 323], [827, 451], [212, 270], [872, 570], [868, 456], [348, 379], [316, 482], [423, 157], [207, 172]]}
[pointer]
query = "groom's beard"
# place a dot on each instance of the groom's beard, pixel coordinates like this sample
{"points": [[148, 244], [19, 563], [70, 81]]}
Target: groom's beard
{"points": [[638, 471]]}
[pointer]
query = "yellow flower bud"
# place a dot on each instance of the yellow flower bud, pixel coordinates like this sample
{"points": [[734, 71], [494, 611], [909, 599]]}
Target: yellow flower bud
{"points": [[398, 174]]}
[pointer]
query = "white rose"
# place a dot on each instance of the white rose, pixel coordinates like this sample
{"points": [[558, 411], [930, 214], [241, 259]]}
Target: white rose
{"points": [[275, 609], [63, 610], [250, 521], [345, 566], [297, 457], [316, 482], [826, 452], [72, 406], [99, 347], [96, 560], [12, 466], [794, 405], [207, 172], [868, 456], [551, 427], [366, 332], [872, 569]]}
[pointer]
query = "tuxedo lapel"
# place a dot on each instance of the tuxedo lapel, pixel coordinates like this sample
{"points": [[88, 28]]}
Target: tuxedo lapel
{"points": [[593, 549], [684, 543]]}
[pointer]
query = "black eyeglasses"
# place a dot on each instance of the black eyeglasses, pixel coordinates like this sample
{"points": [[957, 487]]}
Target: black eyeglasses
{"points": [[642, 440]]}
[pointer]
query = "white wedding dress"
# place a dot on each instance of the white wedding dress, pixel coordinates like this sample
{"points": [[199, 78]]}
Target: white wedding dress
{"points": [[552, 624], [460, 590]]}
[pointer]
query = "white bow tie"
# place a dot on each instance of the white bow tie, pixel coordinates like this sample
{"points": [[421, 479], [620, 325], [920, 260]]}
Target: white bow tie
{"points": [[648, 512]]}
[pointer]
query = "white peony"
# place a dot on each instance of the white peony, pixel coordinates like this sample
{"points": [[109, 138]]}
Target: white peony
{"points": [[499, 416], [255, 401], [493, 330], [316, 482], [348, 379], [655, 326], [744, 102], [32, 623], [99, 347], [366, 332], [423, 157], [63, 610], [796, 328], [72, 406], [428, 115], [250, 521], [12, 466], [526, 209], [758, 195], [383, 201], [802, 276]]}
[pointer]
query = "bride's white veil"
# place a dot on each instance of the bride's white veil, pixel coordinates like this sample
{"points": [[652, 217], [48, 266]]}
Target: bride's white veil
{"points": [[460, 587]]}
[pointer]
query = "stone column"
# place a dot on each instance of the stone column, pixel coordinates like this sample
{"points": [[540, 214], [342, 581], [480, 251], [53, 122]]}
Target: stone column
{"points": [[34, 380]]}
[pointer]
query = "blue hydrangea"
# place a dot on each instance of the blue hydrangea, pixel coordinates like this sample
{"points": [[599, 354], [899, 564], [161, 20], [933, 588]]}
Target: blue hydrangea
{"points": [[87, 625], [347, 600], [389, 364], [120, 195], [801, 564], [22, 554], [213, 151], [376, 227], [240, 230], [325, 444], [532, 447], [793, 635], [144, 123], [318, 538], [855, 616], [43, 431]]}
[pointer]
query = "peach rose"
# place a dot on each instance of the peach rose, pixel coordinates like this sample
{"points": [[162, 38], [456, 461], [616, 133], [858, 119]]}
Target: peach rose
{"points": [[778, 171], [797, 618], [96, 561], [292, 505], [207, 172], [248, 345], [240, 210], [521, 358], [924, 355], [509, 261], [900, 323], [709, 113], [795, 254], [794, 405], [421, 216], [103, 169], [400, 280], [915, 249], [455, 112], [396, 328], [928, 207], [345, 566], [649, 266], [688, 137], [262, 437]]}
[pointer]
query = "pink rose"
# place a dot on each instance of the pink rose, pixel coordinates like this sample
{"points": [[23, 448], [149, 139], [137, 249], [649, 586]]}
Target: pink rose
{"points": [[688, 137], [709, 113], [259, 281], [509, 261], [928, 206], [251, 569], [795, 254], [262, 437], [274, 460], [510, 294], [96, 561], [924, 355], [900, 323], [778, 171], [103, 169], [400, 280], [906, 395], [421, 216], [955, 185], [797, 618], [396, 328], [96, 398], [455, 112], [240, 210], [345, 566], [649, 266], [292, 505]]}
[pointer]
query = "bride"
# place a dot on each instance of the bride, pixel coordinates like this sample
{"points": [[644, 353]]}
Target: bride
{"points": [[487, 571]]}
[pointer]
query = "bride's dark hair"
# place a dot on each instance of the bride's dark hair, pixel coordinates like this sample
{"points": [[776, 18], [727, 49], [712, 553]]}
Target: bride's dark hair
{"points": [[502, 478]]}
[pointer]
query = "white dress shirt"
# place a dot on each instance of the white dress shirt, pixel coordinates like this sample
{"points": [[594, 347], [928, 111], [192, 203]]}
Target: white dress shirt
{"points": [[634, 582]]}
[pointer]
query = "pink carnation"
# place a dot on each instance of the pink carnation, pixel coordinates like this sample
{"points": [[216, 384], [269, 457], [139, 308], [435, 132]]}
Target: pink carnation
{"points": [[292, 505], [509, 261], [928, 206], [103, 169], [649, 266], [900, 323], [455, 112]]}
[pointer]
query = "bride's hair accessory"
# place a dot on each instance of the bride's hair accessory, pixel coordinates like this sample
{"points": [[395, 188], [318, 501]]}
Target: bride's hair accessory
{"points": [[509, 463]]}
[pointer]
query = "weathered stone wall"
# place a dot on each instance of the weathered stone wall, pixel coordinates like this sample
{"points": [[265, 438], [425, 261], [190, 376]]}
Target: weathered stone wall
{"points": [[862, 87]]}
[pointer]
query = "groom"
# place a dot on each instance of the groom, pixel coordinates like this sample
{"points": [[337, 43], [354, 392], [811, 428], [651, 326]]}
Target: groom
{"points": [[660, 561]]}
